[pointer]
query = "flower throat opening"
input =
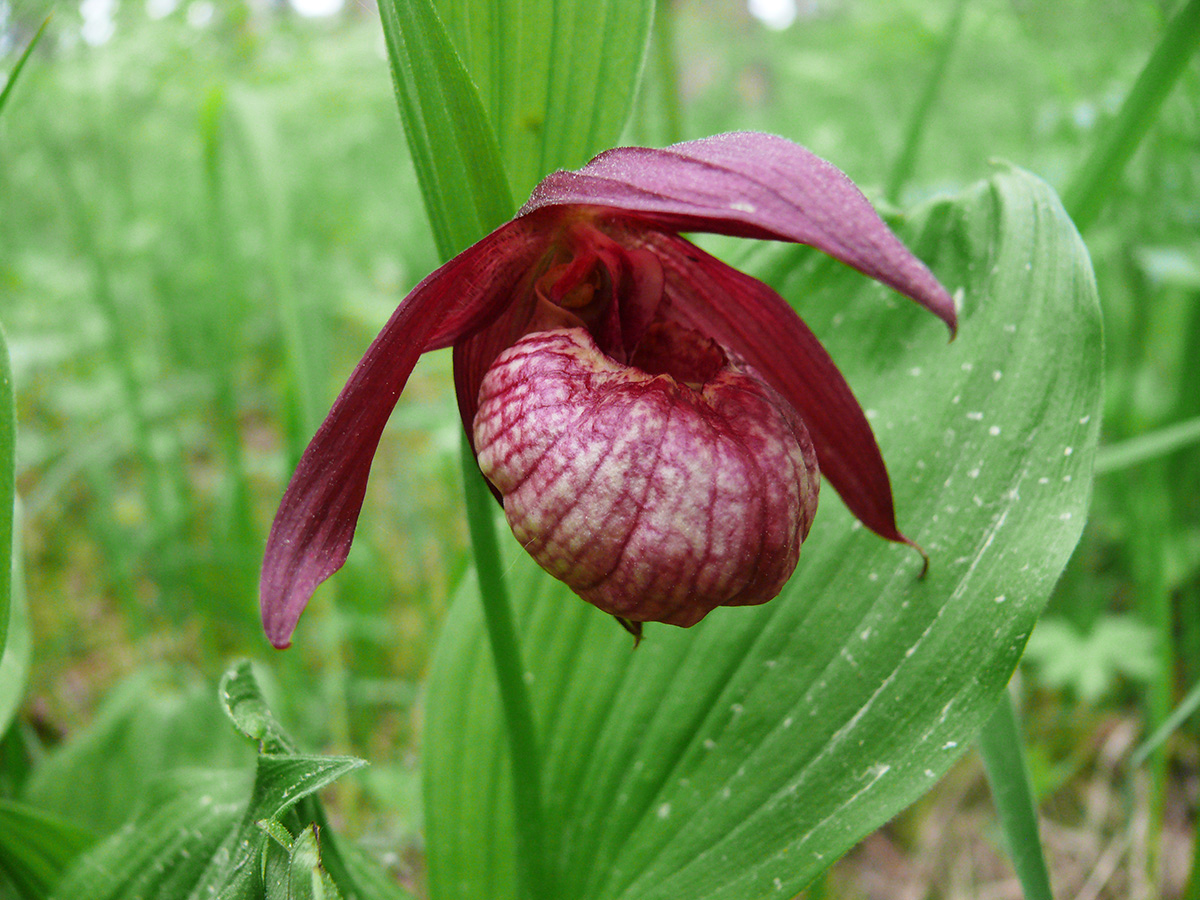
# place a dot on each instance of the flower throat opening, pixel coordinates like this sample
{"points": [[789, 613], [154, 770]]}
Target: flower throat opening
{"points": [[616, 294]]}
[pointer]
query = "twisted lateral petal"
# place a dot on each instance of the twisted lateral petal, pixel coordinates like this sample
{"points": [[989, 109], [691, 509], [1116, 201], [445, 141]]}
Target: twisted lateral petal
{"points": [[315, 523], [651, 499], [749, 185], [749, 318]]}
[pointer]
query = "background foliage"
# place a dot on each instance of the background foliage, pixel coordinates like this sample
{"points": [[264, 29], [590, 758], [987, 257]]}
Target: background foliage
{"points": [[205, 217]]}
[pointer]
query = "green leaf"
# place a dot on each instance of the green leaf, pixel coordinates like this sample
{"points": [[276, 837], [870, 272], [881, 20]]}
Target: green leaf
{"points": [[453, 146], [284, 780], [152, 724], [557, 77], [246, 707], [306, 879], [741, 757], [11, 81], [15, 654], [201, 833], [1089, 663], [279, 784], [8, 442], [36, 848], [167, 846]]}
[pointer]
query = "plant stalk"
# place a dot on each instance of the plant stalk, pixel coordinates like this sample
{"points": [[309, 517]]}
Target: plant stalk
{"points": [[1000, 746], [510, 676]]}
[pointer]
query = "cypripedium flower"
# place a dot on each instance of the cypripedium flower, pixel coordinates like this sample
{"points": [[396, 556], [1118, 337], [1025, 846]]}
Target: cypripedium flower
{"points": [[653, 420]]}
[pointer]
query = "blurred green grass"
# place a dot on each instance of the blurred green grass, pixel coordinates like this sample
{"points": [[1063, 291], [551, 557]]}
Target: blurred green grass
{"points": [[201, 228]]}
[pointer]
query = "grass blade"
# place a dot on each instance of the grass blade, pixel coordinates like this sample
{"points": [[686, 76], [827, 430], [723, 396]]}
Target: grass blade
{"points": [[1147, 447], [1182, 713], [12, 77], [1087, 193]]}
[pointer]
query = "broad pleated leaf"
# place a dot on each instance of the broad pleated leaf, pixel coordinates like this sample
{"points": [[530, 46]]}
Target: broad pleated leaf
{"points": [[452, 143], [36, 847], [165, 849], [743, 756], [537, 62], [148, 726]]}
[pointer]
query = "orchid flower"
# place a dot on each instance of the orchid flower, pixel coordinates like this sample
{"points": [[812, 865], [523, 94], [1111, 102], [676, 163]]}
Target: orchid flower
{"points": [[653, 420]]}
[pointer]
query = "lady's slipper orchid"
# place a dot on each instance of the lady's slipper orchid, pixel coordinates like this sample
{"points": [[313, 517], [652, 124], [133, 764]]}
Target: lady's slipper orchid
{"points": [[652, 419]]}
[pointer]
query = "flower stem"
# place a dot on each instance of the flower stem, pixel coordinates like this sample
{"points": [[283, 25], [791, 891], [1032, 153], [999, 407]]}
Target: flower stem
{"points": [[1000, 746], [510, 676], [1095, 180]]}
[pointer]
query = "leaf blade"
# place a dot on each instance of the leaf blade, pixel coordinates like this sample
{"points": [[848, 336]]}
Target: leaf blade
{"points": [[453, 146], [743, 756], [574, 65]]}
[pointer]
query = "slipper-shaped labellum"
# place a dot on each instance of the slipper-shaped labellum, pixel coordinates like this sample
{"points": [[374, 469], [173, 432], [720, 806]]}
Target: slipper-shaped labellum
{"points": [[653, 420]]}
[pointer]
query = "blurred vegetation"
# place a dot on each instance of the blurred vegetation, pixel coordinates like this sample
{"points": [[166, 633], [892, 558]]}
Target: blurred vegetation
{"points": [[207, 216]]}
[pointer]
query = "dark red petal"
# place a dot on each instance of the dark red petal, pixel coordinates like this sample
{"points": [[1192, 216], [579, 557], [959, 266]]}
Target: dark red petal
{"points": [[754, 322], [315, 523], [750, 185]]}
